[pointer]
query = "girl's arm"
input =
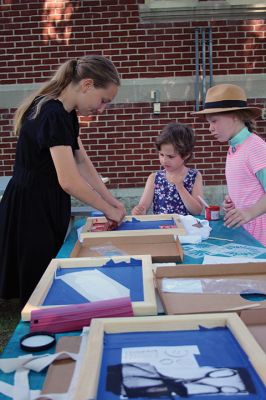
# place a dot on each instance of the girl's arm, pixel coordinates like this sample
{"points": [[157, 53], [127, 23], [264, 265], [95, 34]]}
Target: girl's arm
{"points": [[89, 173], [236, 217], [191, 201], [147, 197], [73, 183]]}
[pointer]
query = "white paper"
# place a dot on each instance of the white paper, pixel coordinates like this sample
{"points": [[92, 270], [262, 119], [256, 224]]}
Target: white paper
{"points": [[179, 285], [179, 364], [95, 285], [230, 260], [166, 359]]}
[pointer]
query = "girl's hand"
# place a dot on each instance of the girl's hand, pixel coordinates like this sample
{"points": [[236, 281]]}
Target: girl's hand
{"points": [[115, 215], [228, 204], [138, 210], [119, 205], [235, 218], [176, 180]]}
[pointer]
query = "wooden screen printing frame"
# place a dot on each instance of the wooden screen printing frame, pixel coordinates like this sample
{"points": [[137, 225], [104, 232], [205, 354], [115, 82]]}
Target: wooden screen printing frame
{"points": [[146, 307], [179, 228], [88, 378], [161, 248], [191, 303]]}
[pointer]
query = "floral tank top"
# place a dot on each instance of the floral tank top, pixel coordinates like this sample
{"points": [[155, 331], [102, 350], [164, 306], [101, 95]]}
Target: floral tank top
{"points": [[166, 199]]}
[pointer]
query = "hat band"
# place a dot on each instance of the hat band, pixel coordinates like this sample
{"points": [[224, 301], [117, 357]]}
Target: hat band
{"points": [[225, 104]]}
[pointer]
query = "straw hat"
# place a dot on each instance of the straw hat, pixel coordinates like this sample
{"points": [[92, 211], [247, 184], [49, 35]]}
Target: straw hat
{"points": [[226, 97]]}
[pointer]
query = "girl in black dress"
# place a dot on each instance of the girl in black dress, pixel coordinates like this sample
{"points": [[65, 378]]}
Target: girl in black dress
{"points": [[51, 165]]}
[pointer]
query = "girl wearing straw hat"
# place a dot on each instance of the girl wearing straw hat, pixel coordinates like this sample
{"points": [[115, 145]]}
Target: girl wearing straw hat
{"points": [[231, 119]]}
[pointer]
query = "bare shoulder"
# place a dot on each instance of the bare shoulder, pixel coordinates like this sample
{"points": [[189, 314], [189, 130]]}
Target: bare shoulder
{"points": [[151, 177]]}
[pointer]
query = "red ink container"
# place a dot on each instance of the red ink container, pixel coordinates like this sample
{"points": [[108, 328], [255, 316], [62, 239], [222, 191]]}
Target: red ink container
{"points": [[212, 213]]}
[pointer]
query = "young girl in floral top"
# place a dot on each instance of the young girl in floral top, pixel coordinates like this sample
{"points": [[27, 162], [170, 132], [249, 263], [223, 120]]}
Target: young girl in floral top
{"points": [[175, 188]]}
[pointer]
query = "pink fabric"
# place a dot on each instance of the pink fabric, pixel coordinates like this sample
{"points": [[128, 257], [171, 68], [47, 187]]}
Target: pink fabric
{"points": [[243, 186]]}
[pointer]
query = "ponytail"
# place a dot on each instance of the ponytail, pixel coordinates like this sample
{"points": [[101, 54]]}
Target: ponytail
{"points": [[50, 90], [98, 68], [250, 125], [247, 117]]}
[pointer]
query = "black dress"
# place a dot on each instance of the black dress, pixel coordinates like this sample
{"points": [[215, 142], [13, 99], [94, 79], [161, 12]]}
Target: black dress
{"points": [[34, 210]]}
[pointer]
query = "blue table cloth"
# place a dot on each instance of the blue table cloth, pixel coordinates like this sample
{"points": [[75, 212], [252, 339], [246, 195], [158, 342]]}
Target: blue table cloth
{"points": [[238, 235]]}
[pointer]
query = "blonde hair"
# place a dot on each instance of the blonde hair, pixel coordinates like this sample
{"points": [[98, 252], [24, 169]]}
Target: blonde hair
{"points": [[98, 68]]}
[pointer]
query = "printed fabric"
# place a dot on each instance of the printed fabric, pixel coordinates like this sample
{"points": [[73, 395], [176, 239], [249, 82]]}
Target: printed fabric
{"points": [[166, 198]]}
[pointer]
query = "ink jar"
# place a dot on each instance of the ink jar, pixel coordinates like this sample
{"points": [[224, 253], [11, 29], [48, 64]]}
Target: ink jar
{"points": [[212, 213]]}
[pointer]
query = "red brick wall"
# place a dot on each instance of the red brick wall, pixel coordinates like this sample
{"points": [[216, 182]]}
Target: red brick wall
{"points": [[35, 40], [122, 145]]}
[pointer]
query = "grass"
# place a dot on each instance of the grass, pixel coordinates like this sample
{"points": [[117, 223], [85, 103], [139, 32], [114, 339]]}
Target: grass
{"points": [[9, 318]]}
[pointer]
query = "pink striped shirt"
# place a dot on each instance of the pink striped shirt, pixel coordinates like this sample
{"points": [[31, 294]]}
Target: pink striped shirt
{"points": [[243, 186]]}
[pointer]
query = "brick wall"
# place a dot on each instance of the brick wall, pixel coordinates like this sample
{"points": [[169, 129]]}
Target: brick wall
{"points": [[121, 145], [36, 38]]}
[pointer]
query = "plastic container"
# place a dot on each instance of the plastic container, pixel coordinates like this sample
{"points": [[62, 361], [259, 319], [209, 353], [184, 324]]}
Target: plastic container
{"points": [[212, 213]]}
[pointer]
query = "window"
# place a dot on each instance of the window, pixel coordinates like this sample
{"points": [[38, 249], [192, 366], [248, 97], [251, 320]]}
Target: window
{"points": [[173, 10]]}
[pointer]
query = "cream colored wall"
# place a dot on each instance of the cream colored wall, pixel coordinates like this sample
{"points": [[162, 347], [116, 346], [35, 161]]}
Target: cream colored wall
{"points": [[139, 90]]}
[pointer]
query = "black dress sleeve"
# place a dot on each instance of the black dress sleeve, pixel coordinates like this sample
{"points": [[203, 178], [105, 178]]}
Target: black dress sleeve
{"points": [[56, 127]]}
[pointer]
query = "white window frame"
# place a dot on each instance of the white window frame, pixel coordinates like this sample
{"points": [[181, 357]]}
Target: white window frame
{"points": [[172, 10]]}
